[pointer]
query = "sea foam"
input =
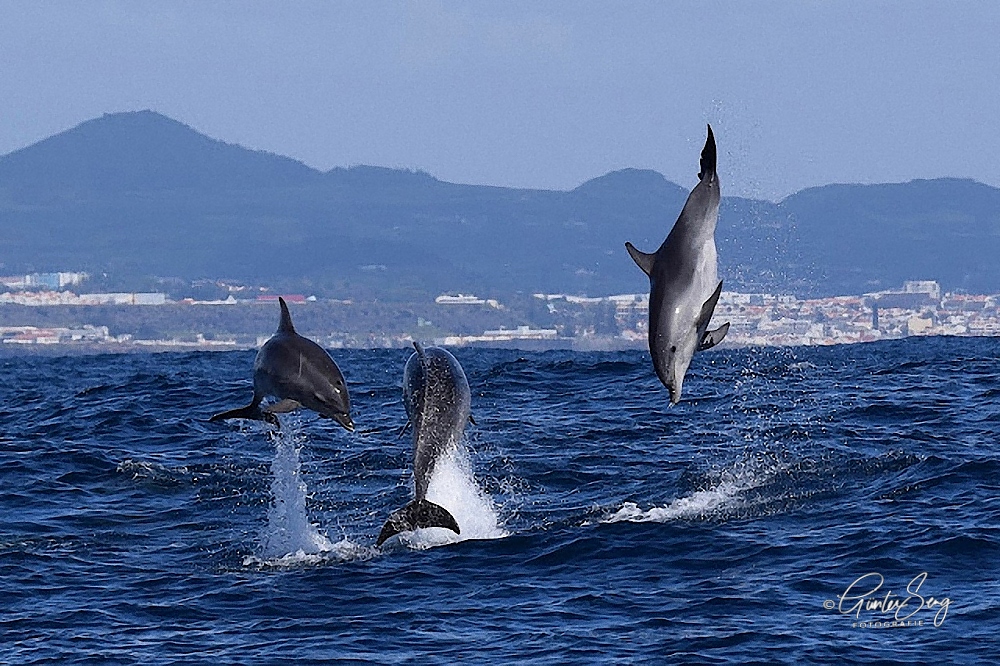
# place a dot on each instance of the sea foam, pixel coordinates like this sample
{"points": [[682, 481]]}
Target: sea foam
{"points": [[725, 494], [453, 486]]}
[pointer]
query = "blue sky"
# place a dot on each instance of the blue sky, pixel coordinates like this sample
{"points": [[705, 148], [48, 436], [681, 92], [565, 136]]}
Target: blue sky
{"points": [[532, 94]]}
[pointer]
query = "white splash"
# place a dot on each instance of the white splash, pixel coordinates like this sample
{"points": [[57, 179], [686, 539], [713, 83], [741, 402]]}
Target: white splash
{"points": [[288, 531], [454, 487], [695, 505], [343, 551], [723, 495]]}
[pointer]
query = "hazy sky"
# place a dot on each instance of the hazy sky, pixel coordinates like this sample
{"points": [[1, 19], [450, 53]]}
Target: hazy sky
{"points": [[533, 94]]}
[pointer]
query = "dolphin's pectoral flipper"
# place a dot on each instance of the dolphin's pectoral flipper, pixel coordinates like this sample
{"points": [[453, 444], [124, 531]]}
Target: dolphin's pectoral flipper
{"points": [[713, 338], [282, 407], [251, 411], [707, 308], [642, 260], [416, 514]]}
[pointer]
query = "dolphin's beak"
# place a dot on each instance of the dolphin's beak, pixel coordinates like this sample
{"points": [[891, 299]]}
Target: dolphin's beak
{"points": [[675, 394], [344, 420]]}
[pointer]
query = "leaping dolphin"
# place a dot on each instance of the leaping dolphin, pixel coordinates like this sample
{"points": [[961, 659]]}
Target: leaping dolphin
{"points": [[684, 281], [438, 403], [299, 373]]}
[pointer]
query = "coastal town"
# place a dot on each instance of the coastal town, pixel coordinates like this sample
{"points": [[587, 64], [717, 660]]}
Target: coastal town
{"points": [[542, 321]]}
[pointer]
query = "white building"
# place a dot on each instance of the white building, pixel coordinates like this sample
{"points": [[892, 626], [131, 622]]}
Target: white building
{"points": [[930, 287], [460, 299]]}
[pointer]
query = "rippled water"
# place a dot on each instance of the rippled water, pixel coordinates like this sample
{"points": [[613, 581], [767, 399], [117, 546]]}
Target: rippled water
{"points": [[598, 524]]}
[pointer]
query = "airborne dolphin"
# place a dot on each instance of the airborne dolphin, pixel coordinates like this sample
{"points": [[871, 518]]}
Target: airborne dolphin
{"points": [[438, 402], [299, 373], [684, 281]]}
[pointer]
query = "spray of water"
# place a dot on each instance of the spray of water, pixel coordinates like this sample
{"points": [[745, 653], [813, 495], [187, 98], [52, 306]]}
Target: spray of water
{"points": [[454, 487], [288, 527], [695, 505], [724, 495], [290, 539]]}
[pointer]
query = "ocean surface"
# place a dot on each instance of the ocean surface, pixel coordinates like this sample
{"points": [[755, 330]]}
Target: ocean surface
{"points": [[800, 505]]}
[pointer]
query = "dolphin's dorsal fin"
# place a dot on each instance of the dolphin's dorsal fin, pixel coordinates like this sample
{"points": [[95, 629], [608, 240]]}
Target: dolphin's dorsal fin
{"points": [[707, 309], [642, 260], [712, 338], [421, 355], [285, 326], [708, 157]]}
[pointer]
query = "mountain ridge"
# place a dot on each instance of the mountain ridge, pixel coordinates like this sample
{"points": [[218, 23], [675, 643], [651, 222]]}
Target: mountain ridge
{"points": [[139, 194]]}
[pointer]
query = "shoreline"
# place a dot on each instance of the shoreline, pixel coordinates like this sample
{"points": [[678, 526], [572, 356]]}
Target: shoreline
{"points": [[568, 344]]}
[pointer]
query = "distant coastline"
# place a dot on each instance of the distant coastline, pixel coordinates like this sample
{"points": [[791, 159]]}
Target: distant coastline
{"points": [[124, 323]]}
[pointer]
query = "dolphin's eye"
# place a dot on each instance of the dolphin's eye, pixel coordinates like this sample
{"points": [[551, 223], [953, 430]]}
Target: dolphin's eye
{"points": [[673, 349]]}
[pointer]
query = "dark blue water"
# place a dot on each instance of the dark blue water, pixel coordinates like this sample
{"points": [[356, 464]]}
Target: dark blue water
{"points": [[602, 526]]}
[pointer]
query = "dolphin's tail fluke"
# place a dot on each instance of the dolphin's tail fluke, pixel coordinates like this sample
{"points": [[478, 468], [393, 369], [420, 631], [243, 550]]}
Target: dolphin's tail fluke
{"points": [[708, 157], [418, 513], [251, 411]]}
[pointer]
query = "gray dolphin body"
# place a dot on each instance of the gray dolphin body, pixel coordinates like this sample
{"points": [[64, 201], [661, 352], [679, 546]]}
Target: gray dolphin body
{"points": [[684, 281], [438, 403], [299, 373]]}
